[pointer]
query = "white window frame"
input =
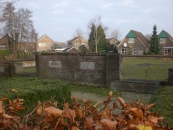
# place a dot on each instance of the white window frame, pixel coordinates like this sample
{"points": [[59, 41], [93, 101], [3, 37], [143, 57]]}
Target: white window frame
{"points": [[134, 51], [124, 52], [3, 45], [131, 40], [42, 44], [165, 52], [162, 40]]}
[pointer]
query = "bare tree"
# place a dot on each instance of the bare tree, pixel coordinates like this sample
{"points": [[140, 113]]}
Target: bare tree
{"points": [[148, 36], [18, 25], [93, 26], [115, 33], [79, 32]]}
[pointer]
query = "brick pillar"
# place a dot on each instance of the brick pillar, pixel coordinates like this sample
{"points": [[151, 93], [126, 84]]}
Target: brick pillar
{"points": [[12, 69], [170, 76], [38, 64], [113, 67]]}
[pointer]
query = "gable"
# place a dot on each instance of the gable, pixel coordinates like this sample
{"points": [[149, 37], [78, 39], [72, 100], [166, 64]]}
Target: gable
{"points": [[131, 34], [46, 39], [163, 34]]}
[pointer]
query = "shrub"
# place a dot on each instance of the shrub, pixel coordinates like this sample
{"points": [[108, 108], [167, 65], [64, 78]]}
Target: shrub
{"points": [[84, 116], [163, 101], [34, 89]]}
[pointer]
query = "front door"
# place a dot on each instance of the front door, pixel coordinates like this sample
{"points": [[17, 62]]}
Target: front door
{"points": [[140, 51]]}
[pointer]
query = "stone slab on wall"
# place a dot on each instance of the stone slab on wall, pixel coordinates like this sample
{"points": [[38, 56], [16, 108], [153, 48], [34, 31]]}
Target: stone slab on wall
{"points": [[91, 69]]}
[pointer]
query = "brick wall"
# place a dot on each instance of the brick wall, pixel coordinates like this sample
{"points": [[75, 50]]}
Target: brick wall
{"points": [[6, 69], [90, 69], [170, 76]]}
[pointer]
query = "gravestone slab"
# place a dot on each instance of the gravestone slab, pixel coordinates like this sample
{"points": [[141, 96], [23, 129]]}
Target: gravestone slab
{"points": [[55, 64], [87, 65], [1, 69]]}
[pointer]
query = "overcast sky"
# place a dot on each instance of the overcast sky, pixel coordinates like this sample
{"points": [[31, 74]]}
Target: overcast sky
{"points": [[60, 18]]}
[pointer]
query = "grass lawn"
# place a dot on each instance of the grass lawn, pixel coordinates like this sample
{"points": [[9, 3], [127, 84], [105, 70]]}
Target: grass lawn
{"points": [[29, 70], [135, 68], [25, 84]]}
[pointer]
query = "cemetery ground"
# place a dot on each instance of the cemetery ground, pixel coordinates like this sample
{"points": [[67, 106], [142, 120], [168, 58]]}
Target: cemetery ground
{"points": [[27, 85], [133, 68]]}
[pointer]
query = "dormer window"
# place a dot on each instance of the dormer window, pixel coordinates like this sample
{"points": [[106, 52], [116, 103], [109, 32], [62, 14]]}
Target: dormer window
{"points": [[131, 40], [162, 40]]}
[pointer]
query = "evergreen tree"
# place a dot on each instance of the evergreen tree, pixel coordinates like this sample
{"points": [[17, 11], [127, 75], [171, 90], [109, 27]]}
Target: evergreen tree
{"points": [[91, 40], [97, 36], [154, 47], [102, 44]]}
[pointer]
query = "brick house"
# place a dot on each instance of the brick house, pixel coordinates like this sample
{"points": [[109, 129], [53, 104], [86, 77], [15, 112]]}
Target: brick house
{"points": [[166, 43], [134, 43], [77, 42], [23, 46], [45, 43], [112, 41], [27, 46], [4, 42]]}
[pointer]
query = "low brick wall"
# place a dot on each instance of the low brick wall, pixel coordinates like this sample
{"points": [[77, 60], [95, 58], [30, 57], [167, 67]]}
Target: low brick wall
{"points": [[90, 69], [165, 57], [8, 68]]}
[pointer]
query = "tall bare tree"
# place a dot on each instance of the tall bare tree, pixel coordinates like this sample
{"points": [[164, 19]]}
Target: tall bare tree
{"points": [[115, 33], [93, 26], [79, 32], [18, 25]]}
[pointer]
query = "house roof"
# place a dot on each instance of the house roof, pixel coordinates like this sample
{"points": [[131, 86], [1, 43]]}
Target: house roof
{"points": [[68, 49], [44, 36], [5, 36], [109, 39], [72, 40], [139, 35], [131, 34], [164, 34], [61, 44]]}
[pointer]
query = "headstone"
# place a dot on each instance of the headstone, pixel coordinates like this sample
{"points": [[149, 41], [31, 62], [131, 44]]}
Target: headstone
{"points": [[87, 65], [1, 69], [55, 64]]}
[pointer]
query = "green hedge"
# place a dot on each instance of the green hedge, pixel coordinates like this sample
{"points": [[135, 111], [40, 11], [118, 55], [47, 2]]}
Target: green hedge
{"points": [[5, 52], [164, 103], [33, 90]]}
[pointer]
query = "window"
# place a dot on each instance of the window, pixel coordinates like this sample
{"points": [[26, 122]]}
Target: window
{"points": [[42, 44], [77, 44], [3, 44], [83, 44], [165, 51], [162, 40], [131, 40], [124, 51], [50, 44], [134, 51]]}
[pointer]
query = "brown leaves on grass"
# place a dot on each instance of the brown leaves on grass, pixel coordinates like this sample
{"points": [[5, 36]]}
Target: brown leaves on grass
{"points": [[80, 116]]}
